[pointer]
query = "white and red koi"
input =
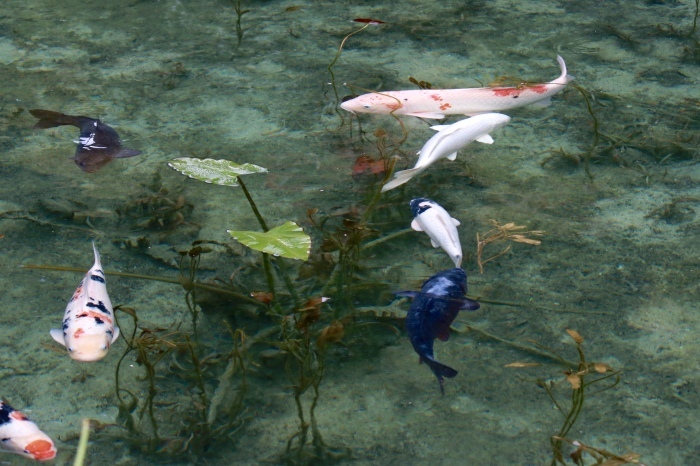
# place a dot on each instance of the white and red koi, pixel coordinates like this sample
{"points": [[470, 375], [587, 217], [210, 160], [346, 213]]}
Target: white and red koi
{"points": [[437, 103], [88, 323], [20, 435]]}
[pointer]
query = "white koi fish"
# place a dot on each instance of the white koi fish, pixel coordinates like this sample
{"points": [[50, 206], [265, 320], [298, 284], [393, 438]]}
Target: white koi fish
{"points": [[430, 217], [436, 103], [448, 140], [20, 435], [88, 323]]}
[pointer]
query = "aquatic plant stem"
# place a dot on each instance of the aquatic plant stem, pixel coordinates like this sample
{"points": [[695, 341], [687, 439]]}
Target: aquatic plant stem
{"points": [[177, 281], [253, 206], [130, 346], [269, 276], [335, 59], [82, 443], [239, 14], [388, 237], [577, 399], [199, 379], [377, 194], [695, 18], [45, 223], [266, 257], [596, 132]]}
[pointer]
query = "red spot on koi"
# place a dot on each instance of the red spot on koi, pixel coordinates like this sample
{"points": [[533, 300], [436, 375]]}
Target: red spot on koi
{"points": [[507, 91], [77, 293], [95, 315], [445, 106], [16, 415], [78, 332], [41, 450], [374, 22], [538, 88], [516, 91], [436, 97]]}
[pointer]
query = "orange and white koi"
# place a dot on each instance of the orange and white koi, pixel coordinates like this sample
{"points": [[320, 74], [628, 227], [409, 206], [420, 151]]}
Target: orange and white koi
{"points": [[437, 103], [88, 322], [20, 435]]}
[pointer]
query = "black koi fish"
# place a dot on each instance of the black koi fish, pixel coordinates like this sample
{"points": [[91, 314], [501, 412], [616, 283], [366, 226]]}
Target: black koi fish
{"points": [[98, 143], [433, 310]]}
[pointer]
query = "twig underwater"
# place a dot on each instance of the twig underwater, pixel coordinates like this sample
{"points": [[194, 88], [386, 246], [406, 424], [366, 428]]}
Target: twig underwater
{"points": [[500, 234]]}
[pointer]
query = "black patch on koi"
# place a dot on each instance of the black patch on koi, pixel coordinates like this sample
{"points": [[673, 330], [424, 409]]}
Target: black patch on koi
{"points": [[100, 305], [5, 411], [422, 208], [420, 205], [97, 278], [84, 314], [99, 321]]}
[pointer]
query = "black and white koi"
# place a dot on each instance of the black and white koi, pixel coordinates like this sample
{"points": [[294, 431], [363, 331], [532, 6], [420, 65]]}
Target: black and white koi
{"points": [[430, 217], [98, 143], [20, 435], [88, 323]]}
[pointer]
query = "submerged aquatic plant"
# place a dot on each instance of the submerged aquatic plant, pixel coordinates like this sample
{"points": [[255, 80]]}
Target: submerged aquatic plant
{"points": [[579, 377], [305, 355], [367, 23], [238, 8], [500, 234], [696, 15], [215, 405]]}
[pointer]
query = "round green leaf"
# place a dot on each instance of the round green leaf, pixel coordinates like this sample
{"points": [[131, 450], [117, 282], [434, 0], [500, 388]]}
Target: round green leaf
{"points": [[222, 172], [288, 240]]}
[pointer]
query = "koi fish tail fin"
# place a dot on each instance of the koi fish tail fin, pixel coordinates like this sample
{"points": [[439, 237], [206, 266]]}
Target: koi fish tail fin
{"points": [[401, 177], [49, 119], [565, 77], [441, 371], [96, 253]]}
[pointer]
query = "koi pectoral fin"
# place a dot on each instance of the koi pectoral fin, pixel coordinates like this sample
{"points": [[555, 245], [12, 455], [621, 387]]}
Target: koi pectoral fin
{"points": [[116, 335], [470, 305], [429, 115], [57, 335], [124, 153]]}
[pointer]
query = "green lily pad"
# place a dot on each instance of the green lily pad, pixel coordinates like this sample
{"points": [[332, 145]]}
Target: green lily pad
{"points": [[221, 172], [288, 240]]}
